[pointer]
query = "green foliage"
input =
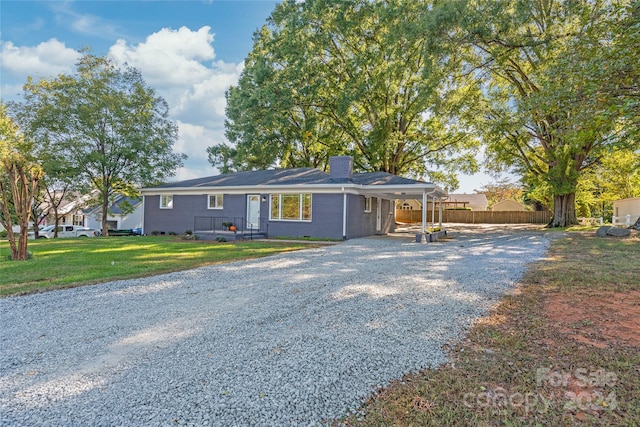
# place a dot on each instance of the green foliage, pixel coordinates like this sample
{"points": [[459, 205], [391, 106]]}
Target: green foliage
{"points": [[561, 86], [221, 239], [362, 78], [19, 178], [101, 127]]}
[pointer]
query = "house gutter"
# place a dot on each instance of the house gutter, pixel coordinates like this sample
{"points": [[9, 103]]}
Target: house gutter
{"points": [[344, 214]]}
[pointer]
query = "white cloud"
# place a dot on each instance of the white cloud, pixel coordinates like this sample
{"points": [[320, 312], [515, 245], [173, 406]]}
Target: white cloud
{"points": [[83, 23], [169, 57], [46, 59], [194, 140], [179, 64]]}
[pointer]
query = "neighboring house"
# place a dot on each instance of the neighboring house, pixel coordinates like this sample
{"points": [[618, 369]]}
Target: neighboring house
{"points": [[71, 210], [475, 202], [508, 205], [626, 211], [408, 205], [81, 210], [120, 216], [284, 202]]}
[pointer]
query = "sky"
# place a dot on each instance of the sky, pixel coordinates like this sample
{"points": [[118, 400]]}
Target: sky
{"points": [[190, 52]]}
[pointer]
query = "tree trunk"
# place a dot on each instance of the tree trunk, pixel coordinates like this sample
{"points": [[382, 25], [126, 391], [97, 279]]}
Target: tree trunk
{"points": [[56, 220], [564, 211], [636, 225], [105, 211]]}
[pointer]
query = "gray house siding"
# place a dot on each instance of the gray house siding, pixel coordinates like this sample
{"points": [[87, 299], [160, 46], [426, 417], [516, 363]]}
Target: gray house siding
{"points": [[361, 223], [185, 208], [326, 219], [326, 215]]}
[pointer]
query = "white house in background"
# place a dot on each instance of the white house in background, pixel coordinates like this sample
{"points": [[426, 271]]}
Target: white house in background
{"points": [[508, 205], [82, 211], [120, 217], [70, 210], [626, 211]]}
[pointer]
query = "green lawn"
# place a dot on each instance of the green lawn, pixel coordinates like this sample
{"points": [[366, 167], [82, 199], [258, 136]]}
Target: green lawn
{"points": [[60, 263]]}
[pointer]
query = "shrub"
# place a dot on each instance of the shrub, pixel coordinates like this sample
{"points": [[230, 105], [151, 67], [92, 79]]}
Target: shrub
{"points": [[172, 233], [221, 239], [155, 233], [4, 234], [188, 232]]}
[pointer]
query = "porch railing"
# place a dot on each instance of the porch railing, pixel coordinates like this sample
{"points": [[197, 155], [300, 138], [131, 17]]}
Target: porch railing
{"points": [[223, 223]]}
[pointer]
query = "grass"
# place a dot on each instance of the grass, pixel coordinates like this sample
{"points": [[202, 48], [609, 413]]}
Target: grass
{"points": [[61, 263], [522, 366]]}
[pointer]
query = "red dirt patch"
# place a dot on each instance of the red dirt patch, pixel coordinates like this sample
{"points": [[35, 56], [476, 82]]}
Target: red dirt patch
{"points": [[601, 320]]}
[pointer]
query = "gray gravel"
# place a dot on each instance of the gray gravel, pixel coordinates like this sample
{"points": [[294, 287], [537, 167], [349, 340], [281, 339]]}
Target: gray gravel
{"points": [[294, 339]]}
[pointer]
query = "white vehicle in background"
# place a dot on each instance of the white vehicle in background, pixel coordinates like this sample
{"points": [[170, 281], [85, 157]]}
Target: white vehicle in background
{"points": [[65, 231]]}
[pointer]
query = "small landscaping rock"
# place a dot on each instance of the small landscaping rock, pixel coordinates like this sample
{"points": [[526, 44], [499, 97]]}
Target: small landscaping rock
{"points": [[618, 232], [602, 231]]}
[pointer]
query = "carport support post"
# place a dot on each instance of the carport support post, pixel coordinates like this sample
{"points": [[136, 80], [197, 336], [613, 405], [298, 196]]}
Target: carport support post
{"points": [[440, 213], [424, 214], [433, 212]]}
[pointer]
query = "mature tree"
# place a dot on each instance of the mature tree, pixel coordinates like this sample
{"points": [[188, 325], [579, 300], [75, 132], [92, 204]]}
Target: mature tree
{"points": [[561, 80], [361, 78], [103, 124], [18, 183]]}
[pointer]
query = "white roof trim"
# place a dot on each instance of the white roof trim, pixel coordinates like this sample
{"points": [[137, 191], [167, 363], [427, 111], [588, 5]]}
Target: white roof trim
{"points": [[388, 191]]}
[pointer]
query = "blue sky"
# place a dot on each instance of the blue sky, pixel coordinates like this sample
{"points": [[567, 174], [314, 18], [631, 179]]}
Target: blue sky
{"points": [[189, 51]]}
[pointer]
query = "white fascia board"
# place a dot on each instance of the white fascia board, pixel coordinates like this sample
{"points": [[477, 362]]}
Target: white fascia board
{"points": [[403, 191], [386, 191]]}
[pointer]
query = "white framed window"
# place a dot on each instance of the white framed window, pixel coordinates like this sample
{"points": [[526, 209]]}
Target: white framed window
{"points": [[367, 204], [78, 220], [290, 207], [166, 201], [215, 201]]}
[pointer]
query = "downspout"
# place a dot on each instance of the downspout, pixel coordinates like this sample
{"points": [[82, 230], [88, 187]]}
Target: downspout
{"points": [[344, 215], [143, 225]]}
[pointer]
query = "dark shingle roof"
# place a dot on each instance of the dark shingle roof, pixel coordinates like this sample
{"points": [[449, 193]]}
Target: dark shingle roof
{"points": [[296, 176], [382, 178], [260, 177]]}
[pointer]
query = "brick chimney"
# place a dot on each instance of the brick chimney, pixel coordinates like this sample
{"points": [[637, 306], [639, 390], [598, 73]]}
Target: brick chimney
{"points": [[341, 168]]}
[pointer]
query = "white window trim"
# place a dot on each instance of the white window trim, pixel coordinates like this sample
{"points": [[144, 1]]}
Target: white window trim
{"points": [[301, 208], [221, 199], [365, 204], [170, 205]]}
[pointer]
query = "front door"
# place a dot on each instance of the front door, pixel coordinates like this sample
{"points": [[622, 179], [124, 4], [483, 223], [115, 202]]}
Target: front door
{"points": [[253, 212], [379, 215]]}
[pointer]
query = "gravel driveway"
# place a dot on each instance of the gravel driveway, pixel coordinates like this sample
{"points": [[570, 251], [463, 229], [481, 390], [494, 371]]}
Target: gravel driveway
{"points": [[292, 339]]}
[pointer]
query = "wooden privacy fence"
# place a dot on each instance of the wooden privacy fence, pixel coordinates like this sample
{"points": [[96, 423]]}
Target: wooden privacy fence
{"points": [[478, 217]]}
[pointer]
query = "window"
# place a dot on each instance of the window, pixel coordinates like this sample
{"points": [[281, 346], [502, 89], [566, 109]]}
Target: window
{"points": [[290, 207], [78, 220], [166, 202], [215, 201], [367, 204]]}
